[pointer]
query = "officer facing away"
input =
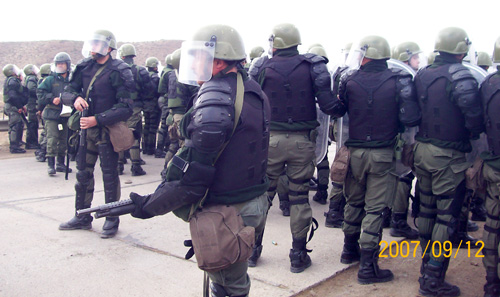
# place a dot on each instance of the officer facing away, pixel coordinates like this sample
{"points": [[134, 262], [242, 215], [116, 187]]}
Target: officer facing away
{"points": [[490, 97], [448, 98], [103, 86], [208, 126], [378, 100], [293, 83]]}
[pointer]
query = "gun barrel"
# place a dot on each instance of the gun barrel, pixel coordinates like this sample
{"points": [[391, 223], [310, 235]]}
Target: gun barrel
{"points": [[110, 209]]}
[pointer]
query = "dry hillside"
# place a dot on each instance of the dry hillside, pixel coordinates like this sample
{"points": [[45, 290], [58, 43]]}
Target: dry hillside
{"points": [[40, 52]]}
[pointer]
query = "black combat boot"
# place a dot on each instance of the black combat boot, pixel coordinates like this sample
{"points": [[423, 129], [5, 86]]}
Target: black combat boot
{"points": [[369, 272], [460, 237], [386, 218], [60, 167], [256, 252], [121, 167], [40, 154], [51, 161], [492, 286], [321, 195], [284, 204], [335, 214], [350, 251], [110, 227], [160, 153], [83, 222], [400, 227], [478, 210], [432, 282], [137, 170], [471, 226], [299, 259], [17, 150]]}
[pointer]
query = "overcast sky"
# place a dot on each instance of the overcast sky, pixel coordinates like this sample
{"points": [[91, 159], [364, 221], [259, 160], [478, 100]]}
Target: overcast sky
{"points": [[332, 23]]}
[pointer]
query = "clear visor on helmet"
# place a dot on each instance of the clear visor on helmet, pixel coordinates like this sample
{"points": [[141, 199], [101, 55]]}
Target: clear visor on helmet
{"points": [[16, 71], [356, 55], [197, 59], [35, 70], [96, 44], [271, 46], [471, 56], [417, 61]]}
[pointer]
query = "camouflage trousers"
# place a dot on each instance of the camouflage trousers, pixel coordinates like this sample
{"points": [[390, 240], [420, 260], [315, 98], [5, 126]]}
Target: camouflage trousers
{"points": [[369, 190], [491, 234]]}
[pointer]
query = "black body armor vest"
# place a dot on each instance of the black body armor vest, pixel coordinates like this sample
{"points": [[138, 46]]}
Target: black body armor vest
{"points": [[442, 119], [243, 162], [490, 94], [290, 89], [373, 109]]}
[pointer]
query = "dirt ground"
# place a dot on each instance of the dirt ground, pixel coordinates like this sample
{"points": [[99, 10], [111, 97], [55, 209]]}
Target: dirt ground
{"points": [[466, 270]]}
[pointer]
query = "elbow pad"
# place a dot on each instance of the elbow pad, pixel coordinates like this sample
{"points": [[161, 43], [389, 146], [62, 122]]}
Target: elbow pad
{"points": [[213, 117]]}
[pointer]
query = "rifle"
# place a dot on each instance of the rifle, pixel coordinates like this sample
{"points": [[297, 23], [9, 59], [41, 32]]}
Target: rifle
{"points": [[82, 176], [112, 209], [67, 153]]}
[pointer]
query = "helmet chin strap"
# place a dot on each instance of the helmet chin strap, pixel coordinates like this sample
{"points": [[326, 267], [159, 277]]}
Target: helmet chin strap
{"points": [[229, 67]]}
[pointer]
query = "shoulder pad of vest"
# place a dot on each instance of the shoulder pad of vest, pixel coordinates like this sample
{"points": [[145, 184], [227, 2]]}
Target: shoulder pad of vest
{"points": [[82, 64], [256, 65], [119, 64], [313, 58], [347, 73], [459, 71], [214, 92], [13, 81], [252, 86]]}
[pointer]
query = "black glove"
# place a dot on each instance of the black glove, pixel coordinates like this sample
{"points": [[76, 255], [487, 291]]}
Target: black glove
{"points": [[139, 202]]}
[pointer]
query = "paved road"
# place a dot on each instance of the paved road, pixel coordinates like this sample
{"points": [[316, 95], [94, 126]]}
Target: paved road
{"points": [[146, 258]]}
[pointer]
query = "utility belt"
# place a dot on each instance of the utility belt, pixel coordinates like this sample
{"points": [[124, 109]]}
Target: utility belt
{"points": [[311, 134]]}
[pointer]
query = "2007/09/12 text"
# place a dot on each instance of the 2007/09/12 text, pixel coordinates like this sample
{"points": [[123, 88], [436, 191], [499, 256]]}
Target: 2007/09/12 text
{"points": [[438, 249]]}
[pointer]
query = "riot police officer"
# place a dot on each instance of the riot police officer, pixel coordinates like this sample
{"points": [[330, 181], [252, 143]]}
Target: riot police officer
{"points": [[335, 215], [484, 61], [409, 53], [378, 100], [15, 96], [451, 115], [162, 139], [490, 97], [255, 52], [323, 166], [49, 100], [178, 97], [31, 83], [293, 83], [211, 131], [104, 87], [151, 109], [45, 71], [143, 88]]}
